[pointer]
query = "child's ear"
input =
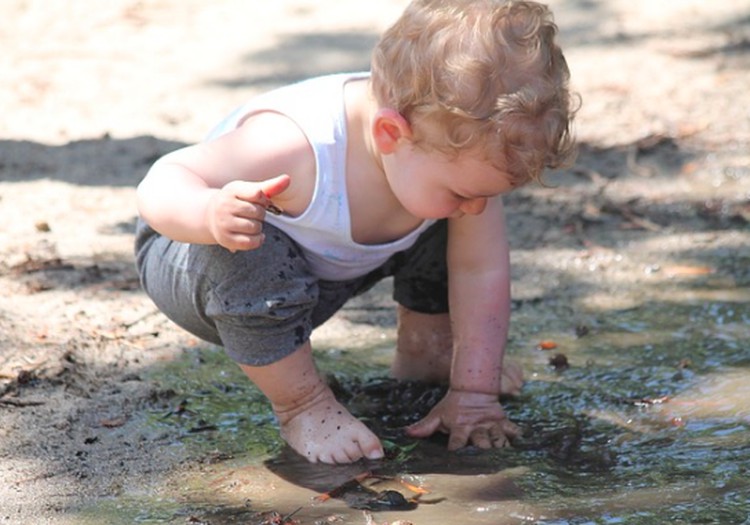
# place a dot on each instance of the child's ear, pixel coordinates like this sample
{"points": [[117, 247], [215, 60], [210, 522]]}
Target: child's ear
{"points": [[388, 128]]}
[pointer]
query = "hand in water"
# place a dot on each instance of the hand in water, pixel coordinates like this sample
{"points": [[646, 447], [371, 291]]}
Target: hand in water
{"points": [[469, 418]]}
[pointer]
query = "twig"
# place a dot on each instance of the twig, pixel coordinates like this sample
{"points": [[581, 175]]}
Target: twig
{"points": [[21, 404], [289, 516], [145, 316]]}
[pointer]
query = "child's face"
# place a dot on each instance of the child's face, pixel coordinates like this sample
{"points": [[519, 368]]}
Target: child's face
{"points": [[431, 185]]}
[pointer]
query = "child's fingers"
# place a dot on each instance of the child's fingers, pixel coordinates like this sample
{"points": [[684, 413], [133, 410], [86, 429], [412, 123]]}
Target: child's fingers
{"points": [[459, 437], [424, 428], [510, 429], [275, 186], [480, 437], [240, 243], [258, 192], [496, 435]]}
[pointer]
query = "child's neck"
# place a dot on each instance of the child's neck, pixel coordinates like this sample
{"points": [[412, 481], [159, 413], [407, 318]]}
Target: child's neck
{"points": [[376, 214], [360, 107]]}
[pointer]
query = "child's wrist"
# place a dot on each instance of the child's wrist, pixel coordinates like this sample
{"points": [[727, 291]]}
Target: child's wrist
{"points": [[489, 392]]}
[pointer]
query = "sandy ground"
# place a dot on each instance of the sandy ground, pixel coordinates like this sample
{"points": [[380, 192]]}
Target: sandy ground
{"points": [[93, 92]]}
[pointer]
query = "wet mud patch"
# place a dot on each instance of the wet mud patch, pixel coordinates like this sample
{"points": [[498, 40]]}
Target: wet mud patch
{"points": [[639, 427], [647, 422]]}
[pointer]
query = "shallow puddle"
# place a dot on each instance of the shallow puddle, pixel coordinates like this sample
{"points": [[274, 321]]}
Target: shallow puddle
{"points": [[649, 422]]}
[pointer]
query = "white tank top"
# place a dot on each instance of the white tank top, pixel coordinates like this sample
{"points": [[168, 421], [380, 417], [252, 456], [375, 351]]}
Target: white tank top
{"points": [[323, 230]]}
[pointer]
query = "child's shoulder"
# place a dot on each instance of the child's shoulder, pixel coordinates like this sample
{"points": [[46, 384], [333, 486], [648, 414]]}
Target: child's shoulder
{"points": [[301, 101], [308, 93]]}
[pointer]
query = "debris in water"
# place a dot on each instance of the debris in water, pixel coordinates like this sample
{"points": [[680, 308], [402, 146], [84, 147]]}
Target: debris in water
{"points": [[559, 362]]}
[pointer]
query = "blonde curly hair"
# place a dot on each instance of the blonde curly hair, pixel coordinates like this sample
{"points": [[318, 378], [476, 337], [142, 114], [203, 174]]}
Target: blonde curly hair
{"points": [[486, 73]]}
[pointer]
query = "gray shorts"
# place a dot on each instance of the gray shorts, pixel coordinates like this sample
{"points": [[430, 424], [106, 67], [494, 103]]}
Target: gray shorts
{"points": [[261, 305]]}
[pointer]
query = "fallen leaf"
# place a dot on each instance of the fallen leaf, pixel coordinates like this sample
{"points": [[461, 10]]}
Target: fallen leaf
{"points": [[687, 271], [114, 422], [414, 488]]}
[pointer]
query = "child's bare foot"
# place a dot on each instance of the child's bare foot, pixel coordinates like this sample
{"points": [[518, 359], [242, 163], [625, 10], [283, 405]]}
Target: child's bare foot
{"points": [[311, 420], [324, 431], [424, 350]]}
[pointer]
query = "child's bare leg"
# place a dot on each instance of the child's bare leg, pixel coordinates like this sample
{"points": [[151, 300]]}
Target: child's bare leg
{"points": [[424, 346], [313, 423], [424, 349]]}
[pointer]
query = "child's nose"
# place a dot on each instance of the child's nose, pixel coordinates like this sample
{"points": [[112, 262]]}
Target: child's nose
{"points": [[474, 206]]}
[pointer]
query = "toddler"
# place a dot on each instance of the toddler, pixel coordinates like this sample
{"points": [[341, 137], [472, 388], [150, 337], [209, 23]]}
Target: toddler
{"points": [[310, 194]]}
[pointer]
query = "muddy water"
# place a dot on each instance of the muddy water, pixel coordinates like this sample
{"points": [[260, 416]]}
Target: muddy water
{"points": [[648, 423]]}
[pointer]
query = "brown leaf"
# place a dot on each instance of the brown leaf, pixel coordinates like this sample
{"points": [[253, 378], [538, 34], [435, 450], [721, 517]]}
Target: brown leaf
{"points": [[113, 422]]}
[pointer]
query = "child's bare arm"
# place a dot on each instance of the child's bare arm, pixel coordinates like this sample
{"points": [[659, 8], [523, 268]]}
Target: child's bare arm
{"points": [[479, 288], [217, 192]]}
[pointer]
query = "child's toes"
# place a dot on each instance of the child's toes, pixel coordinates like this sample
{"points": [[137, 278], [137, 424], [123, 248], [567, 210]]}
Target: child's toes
{"points": [[346, 454], [366, 445], [371, 448]]}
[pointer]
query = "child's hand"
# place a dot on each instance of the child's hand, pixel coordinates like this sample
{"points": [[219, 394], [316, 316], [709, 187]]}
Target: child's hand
{"points": [[235, 213], [470, 418]]}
